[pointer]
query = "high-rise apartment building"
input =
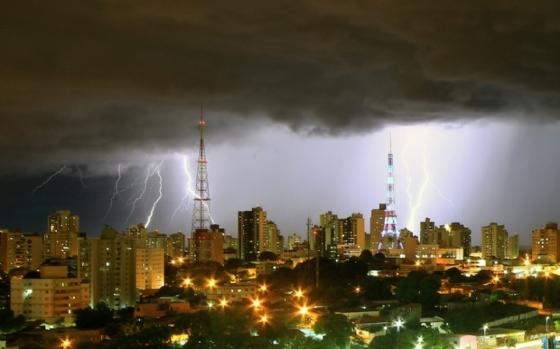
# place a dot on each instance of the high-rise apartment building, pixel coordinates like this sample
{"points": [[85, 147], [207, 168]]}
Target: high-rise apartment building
{"points": [[494, 239], [51, 296], [546, 243], [353, 232], [328, 222], [19, 250], [428, 232], [175, 245], [112, 268], [251, 229], [456, 235], [61, 238], [512, 248], [208, 244], [294, 241], [376, 225]]}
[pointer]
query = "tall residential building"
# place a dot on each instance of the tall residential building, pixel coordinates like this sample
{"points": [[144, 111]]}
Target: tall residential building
{"points": [[113, 269], [512, 247], [456, 235], [376, 224], [175, 245], [294, 241], [546, 243], [251, 229], [353, 232], [61, 237], [328, 222], [494, 241], [19, 250], [428, 232], [208, 244], [272, 239], [51, 296]]}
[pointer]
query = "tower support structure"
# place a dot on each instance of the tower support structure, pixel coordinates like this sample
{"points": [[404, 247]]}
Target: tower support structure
{"points": [[201, 218], [389, 237]]}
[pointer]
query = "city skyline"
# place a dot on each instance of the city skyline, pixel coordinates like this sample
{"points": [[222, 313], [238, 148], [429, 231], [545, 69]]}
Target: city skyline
{"points": [[299, 111]]}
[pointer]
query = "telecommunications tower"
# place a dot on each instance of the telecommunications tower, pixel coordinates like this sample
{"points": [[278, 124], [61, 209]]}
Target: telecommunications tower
{"points": [[201, 210], [389, 238]]}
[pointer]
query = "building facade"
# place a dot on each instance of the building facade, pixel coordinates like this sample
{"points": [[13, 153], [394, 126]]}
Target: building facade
{"points": [[494, 241], [51, 296], [61, 238], [545, 243], [208, 244], [19, 250]]}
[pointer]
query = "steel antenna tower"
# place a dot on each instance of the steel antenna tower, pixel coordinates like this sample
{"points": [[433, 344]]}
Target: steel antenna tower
{"points": [[389, 235], [201, 210]]}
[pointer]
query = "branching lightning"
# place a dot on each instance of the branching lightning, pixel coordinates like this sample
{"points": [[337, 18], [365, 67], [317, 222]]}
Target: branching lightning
{"points": [[160, 195], [423, 187], [49, 179], [115, 193], [188, 188], [150, 171]]}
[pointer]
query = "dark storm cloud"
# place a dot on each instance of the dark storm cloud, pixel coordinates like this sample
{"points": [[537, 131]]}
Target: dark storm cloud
{"points": [[80, 80]]}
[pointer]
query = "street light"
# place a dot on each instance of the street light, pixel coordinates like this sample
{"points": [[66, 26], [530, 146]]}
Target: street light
{"points": [[485, 328], [546, 323], [223, 303], [256, 303], [419, 343], [303, 310], [263, 319], [65, 343], [263, 287], [187, 282], [357, 289], [298, 293], [211, 283], [398, 323]]}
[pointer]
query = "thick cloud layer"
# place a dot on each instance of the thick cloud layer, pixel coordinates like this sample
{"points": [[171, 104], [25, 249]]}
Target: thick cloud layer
{"points": [[83, 80]]}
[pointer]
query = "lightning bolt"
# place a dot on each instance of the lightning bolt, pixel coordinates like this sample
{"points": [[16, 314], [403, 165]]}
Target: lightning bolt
{"points": [[189, 191], [150, 171], [115, 193], [188, 188], [81, 174], [420, 198], [160, 195], [49, 179], [408, 178]]}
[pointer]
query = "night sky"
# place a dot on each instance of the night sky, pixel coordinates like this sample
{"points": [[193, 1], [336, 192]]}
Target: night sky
{"points": [[300, 98]]}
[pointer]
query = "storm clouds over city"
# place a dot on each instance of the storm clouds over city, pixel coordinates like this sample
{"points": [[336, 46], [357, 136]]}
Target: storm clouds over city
{"points": [[300, 99]]}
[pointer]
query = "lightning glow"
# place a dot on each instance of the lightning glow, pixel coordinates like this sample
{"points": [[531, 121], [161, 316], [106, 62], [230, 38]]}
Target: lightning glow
{"points": [[115, 192], [81, 174], [150, 171], [422, 190], [49, 179], [188, 187], [160, 195]]}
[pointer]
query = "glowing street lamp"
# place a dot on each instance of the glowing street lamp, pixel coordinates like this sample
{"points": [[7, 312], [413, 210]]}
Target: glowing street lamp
{"points": [[256, 303], [419, 343], [223, 303], [546, 323], [357, 289], [303, 310], [298, 293], [263, 320], [485, 328], [211, 283], [187, 282], [263, 288], [65, 343], [398, 323]]}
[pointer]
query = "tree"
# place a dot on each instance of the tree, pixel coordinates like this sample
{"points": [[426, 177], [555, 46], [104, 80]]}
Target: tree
{"points": [[366, 256], [336, 327], [267, 256], [98, 317], [9, 323]]}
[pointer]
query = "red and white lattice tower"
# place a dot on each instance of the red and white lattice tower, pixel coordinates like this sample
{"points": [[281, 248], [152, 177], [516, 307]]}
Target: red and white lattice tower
{"points": [[389, 237], [201, 218]]}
